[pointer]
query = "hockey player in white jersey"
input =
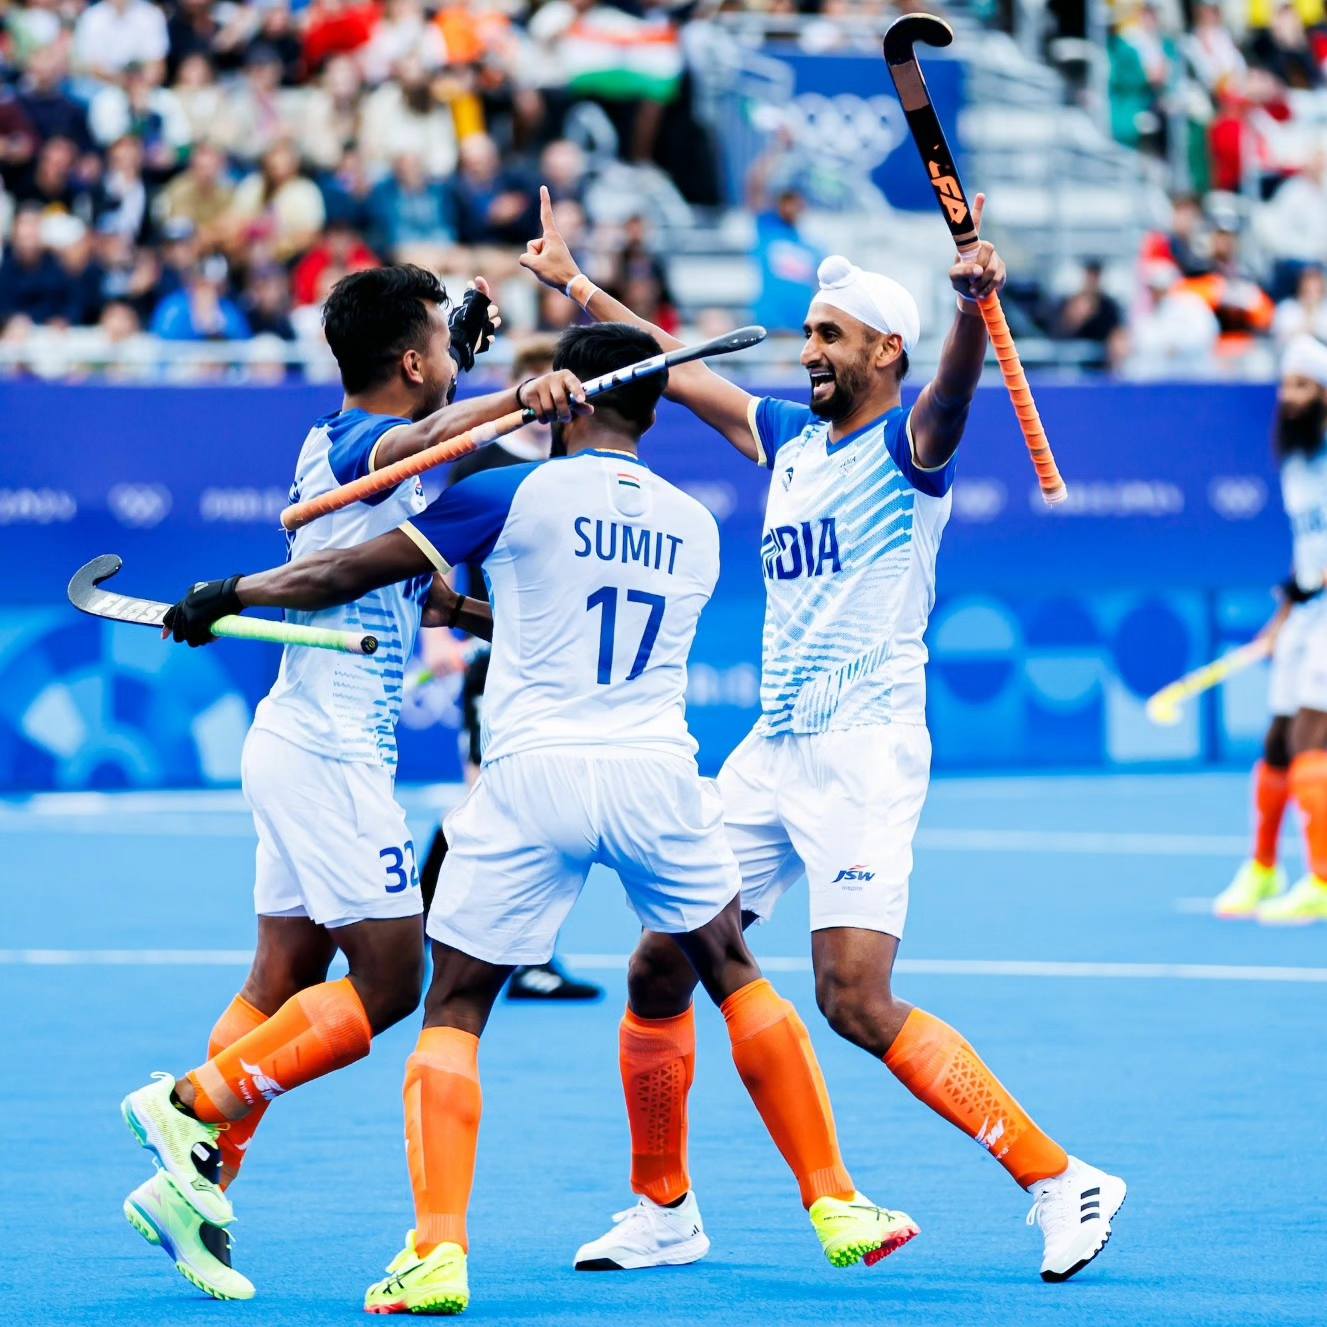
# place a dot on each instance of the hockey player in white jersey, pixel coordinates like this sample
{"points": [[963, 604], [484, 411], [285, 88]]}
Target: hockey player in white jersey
{"points": [[335, 866], [598, 570], [1294, 761], [831, 781]]}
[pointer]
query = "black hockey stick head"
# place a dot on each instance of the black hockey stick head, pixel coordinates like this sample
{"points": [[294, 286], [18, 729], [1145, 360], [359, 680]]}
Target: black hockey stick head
{"points": [[741, 338], [904, 33], [86, 579]]}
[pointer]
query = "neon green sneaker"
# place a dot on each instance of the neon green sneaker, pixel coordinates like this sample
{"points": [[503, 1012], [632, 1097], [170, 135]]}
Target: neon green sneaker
{"points": [[859, 1231], [185, 1148], [1253, 885], [200, 1251], [433, 1283], [1306, 902]]}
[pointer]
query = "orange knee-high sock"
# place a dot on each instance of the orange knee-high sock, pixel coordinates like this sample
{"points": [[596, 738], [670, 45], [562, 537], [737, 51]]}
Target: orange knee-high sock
{"points": [[938, 1067], [238, 1019], [1308, 784], [1271, 792], [319, 1030], [443, 1104], [773, 1054], [658, 1061]]}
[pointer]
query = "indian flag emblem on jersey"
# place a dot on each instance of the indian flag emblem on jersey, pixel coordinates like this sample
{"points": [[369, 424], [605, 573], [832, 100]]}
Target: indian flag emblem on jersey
{"points": [[628, 481]]}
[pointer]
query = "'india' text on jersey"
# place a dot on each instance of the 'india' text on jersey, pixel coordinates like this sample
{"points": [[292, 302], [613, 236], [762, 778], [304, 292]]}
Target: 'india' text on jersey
{"points": [[852, 529], [346, 705]]}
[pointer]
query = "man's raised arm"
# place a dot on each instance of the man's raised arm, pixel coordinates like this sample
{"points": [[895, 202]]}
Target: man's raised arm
{"points": [[721, 404]]}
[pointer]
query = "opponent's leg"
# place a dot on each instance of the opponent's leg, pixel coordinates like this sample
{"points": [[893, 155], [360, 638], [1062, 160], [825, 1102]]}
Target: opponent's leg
{"points": [[1307, 901], [1075, 1202], [1260, 878], [316, 1031], [443, 1105]]}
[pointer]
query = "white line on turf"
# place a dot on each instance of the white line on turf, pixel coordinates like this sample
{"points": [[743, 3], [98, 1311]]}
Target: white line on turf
{"points": [[931, 967]]}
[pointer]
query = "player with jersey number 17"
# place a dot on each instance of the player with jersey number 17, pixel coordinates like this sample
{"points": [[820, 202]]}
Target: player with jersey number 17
{"points": [[831, 781]]}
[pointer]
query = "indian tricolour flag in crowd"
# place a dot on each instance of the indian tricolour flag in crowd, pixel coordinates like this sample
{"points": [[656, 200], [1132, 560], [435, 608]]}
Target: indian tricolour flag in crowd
{"points": [[611, 54]]}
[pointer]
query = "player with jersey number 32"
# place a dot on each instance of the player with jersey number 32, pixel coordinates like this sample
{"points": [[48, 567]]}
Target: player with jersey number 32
{"points": [[832, 778]]}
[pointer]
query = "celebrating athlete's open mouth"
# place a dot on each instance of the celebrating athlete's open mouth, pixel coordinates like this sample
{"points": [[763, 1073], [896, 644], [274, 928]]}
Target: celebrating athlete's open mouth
{"points": [[821, 378]]}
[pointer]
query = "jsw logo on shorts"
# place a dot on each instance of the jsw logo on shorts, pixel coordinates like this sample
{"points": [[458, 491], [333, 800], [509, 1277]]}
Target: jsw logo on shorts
{"points": [[853, 873], [809, 548]]}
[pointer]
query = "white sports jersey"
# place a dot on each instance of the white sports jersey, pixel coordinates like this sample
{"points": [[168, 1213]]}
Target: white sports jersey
{"points": [[598, 571], [346, 705], [1304, 493], [851, 533]]}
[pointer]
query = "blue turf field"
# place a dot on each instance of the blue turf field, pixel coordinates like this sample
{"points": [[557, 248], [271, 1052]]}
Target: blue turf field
{"points": [[1203, 1085]]}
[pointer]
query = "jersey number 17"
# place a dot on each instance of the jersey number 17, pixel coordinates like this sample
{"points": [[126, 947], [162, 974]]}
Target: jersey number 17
{"points": [[606, 600]]}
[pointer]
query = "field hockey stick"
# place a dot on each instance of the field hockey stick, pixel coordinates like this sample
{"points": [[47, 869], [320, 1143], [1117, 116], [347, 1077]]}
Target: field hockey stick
{"points": [[453, 448], [87, 596], [910, 84], [1164, 707]]}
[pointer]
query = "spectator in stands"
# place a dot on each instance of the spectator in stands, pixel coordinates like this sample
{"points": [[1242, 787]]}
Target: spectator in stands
{"points": [[402, 32], [1242, 308], [340, 250], [1212, 51], [347, 192], [1292, 226], [633, 268], [202, 311], [787, 263], [179, 253], [121, 200], [268, 24], [113, 34], [326, 122], [18, 137], [1305, 311], [254, 119], [51, 110], [32, 283], [83, 278], [562, 169], [266, 302], [404, 116], [414, 217], [1090, 314], [200, 196], [193, 29], [1246, 136], [140, 106], [495, 204], [54, 183], [1283, 49], [337, 27], [277, 206], [129, 274], [201, 98], [1144, 66]]}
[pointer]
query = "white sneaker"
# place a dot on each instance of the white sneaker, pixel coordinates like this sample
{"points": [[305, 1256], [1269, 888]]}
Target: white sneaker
{"points": [[647, 1235], [1074, 1211]]}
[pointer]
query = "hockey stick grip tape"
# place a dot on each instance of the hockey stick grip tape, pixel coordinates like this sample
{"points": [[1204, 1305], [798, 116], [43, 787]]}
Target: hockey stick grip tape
{"points": [[235, 627]]}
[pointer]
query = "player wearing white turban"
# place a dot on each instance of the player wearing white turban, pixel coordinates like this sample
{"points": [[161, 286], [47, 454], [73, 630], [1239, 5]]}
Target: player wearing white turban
{"points": [[831, 780], [1294, 761]]}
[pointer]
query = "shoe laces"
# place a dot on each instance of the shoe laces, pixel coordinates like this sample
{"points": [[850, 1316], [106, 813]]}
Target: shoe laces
{"points": [[1049, 1206]]}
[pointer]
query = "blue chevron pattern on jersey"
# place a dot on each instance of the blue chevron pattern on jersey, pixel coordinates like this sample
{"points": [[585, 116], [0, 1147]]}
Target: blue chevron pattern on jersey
{"points": [[849, 562]]}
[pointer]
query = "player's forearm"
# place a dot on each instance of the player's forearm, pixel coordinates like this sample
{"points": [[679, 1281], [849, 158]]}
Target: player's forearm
{"points": [[449, 422], [941, 412], [475, 617], [321, 580]]}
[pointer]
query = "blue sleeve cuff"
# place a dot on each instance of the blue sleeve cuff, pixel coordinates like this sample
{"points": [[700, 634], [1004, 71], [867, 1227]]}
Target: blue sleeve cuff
{"points": [[774, 422], [355, 437], [934, 482]]}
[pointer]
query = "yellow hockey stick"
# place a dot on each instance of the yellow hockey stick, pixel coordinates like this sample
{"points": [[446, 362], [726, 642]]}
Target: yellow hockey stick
{"points": [[1164, 707]]}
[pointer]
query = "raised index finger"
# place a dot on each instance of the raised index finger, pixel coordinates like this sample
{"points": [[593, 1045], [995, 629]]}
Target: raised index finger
{"points": [[546, 210]]}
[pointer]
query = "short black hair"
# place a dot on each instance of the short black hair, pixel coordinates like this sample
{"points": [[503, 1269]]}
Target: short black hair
{"points": [[372, 318], [589, 352]]}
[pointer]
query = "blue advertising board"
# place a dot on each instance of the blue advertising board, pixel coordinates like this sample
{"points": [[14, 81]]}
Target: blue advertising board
{"points": [[1050, 630], [843, 111]]}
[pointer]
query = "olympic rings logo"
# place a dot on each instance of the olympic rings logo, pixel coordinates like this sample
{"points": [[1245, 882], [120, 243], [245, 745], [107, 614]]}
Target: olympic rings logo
{"points": [[863, 130], [1237, 497], [139, 506]]}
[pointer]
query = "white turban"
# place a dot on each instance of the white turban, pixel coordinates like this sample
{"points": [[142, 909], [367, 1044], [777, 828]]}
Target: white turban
{"points": [[1306, 357], [875, 300]]}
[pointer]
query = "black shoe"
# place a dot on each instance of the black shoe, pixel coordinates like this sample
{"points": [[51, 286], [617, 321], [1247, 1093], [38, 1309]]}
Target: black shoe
{"points": [[547, 981]]}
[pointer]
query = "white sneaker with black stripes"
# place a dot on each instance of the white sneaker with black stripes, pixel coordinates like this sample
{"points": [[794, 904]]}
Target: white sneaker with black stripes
{"points": [[647, 1235], [1074, 1211]]}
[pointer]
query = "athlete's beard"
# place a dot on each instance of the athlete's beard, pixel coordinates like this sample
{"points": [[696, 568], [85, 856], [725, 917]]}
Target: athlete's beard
{"points": [[1300, 432], [849, 387]]}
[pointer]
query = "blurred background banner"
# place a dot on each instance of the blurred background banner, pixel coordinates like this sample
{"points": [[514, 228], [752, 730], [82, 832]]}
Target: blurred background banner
{"points": [[1161, 559]]}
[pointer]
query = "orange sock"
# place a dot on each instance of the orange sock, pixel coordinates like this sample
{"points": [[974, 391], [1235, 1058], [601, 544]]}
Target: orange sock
{"points": [[773, 1054], [319, 1030], [1308, 784], [1271, 791], [443, 1103], [658, 1060], [239, 1018], [938, 1067]]}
